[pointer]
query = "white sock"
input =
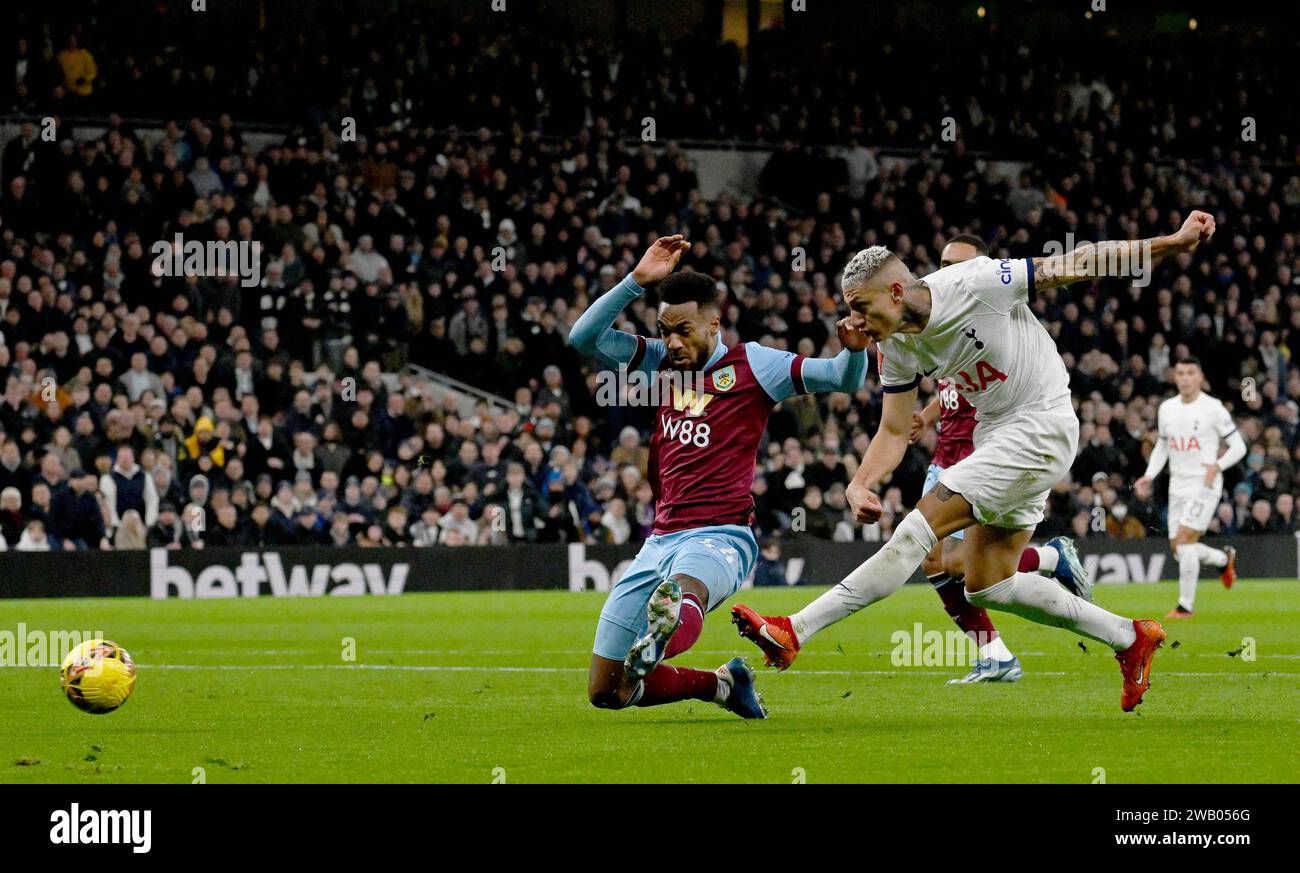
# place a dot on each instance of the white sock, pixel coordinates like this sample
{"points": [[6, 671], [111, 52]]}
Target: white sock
{"points": [[724, 686], [881, 575], [1189, 571], [1210, 555], [1047, 558], [1030, 596], [996, 650]]}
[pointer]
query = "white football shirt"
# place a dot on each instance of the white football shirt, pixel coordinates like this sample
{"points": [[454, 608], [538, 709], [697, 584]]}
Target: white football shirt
{"points": [[984, 339], [1192, 433]]}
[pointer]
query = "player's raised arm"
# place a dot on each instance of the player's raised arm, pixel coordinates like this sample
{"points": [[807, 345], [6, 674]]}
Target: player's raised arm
{"points": [[785, 374], [846, 371], [1119, 258], [593, 334]]}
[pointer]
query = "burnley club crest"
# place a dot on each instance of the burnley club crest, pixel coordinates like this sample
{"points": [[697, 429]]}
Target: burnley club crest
{"points": [[724, 379]]}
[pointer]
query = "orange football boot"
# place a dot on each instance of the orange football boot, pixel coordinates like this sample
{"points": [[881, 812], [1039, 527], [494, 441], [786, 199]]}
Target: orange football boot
{"points": [[1179, 612], [1135, 662], [772, 634], [1229, 574]]}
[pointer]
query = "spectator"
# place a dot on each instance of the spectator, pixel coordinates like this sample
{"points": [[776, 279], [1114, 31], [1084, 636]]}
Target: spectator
{"points": [[770, 569], [818, 520], [1120, 524], [630, 451], [229, 529], [457, 524], [306, 530], [395, 532], [1260, 520], [137, 380], [77, 515], [126, 486], [167, 532], [425, 531], [79, 70], [1284, 514], [202, 444], [33, 539], [13, 473], [131, 534], [262, 530], [11, 514], [520, 504], [616, 530]]}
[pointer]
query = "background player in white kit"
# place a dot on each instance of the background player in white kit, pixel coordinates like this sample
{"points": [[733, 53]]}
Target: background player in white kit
{"points": [[1192, 427], [971, 323]]}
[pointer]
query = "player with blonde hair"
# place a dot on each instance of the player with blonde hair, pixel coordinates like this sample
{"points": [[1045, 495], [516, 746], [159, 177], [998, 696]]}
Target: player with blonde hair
{"points": [[971, 323]]}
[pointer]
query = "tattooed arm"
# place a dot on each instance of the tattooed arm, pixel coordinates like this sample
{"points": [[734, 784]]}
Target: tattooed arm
{"points": [[1120, 257]]}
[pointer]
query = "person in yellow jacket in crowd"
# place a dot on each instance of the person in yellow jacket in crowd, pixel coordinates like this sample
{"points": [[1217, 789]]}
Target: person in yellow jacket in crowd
{"points": [[79, 70], [204, 442]]}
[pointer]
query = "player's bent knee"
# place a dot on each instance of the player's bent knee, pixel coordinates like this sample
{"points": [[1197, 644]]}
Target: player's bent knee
{"points": [[607, 687], [607, 696], [691, 585]]}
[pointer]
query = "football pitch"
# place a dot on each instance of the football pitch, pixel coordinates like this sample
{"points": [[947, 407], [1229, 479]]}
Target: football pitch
{"points": [[491, 686]]}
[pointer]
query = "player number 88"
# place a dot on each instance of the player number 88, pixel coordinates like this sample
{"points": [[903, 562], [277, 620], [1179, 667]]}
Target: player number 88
{"points": [[691, 433]]}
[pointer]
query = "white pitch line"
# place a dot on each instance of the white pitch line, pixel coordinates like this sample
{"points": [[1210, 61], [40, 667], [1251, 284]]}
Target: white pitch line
{"points": [[447, 668], [709, 652]]}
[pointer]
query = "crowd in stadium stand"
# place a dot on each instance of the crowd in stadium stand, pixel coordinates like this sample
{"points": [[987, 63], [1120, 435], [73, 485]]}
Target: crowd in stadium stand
{"points": [[145, 411]]}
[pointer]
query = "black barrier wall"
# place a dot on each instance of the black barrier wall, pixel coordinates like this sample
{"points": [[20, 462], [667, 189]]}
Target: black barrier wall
{"points": [[318, 572]]}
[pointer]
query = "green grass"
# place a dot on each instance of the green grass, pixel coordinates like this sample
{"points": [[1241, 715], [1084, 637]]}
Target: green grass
{"points": [[257, 691]]}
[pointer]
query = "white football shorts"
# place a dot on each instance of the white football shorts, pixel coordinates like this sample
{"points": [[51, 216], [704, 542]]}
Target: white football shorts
{"points": [[1017, 460], [1191, 506]]}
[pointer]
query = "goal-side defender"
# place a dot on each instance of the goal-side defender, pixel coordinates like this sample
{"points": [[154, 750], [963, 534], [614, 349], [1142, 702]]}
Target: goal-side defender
{"points": [[954, 420], [971, 323], [714, 404], [1191, 428]]}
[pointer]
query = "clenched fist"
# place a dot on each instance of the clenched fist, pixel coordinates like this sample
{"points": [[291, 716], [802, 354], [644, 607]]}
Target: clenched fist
{"points": [[851, 333], [866, 506]]}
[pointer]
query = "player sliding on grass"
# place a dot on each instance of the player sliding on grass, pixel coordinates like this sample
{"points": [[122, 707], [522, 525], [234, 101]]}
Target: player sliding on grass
{"points": [[1191, 427], [971, 323], [712, 415], [945, 565]]}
